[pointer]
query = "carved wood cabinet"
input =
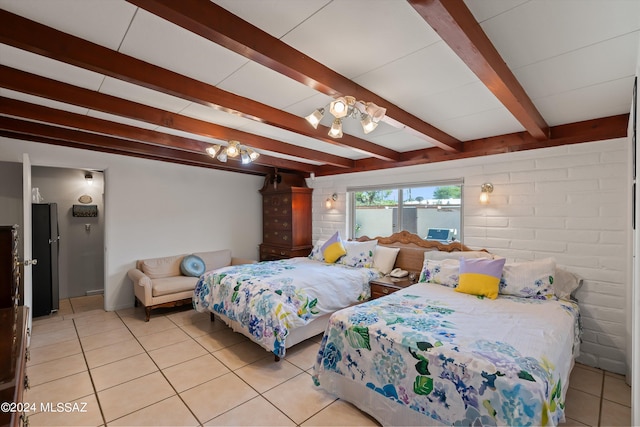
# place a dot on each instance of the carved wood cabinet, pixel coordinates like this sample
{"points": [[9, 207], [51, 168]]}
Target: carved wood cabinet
{"points": [[286, 218], [13, 331]]}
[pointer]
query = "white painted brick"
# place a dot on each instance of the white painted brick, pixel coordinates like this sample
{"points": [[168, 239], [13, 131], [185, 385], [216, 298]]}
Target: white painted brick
{"points": [[568, 236], [566, 211], [603, 171], [511, 166], [547, 175], [612, 341], [568, 161], [512, 233], [615, 366], [590, 184], [597, 223], [590, 249], [601, 313], [603, 351], [538, 245], [538, 223], [603, 327], [588, 359], [589, 336]]}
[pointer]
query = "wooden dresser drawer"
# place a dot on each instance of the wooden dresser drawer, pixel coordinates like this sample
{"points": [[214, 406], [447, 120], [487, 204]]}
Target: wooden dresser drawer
{"points": [[386, 285], [270, 253]]}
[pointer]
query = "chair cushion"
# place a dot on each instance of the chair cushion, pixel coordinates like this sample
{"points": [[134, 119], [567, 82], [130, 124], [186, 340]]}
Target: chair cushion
{"points": [[172, 285], [215, 259], [157, 268]]}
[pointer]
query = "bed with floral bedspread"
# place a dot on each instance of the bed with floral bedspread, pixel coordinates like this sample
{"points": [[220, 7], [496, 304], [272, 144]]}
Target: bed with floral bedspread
{"points": [[266, 301], [428, 355]]}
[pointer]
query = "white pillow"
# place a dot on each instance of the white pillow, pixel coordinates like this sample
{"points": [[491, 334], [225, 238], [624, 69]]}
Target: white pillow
{"points": [[384, 258], [445, 272], [316, 252], [440, 255], [565, 283], [529, 279], [359, 254]]}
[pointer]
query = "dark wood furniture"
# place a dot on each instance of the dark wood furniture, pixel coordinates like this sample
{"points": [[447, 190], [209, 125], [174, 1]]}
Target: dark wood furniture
{"points": [[286, 217], [387, 285], [13, 360], [9, 267]]}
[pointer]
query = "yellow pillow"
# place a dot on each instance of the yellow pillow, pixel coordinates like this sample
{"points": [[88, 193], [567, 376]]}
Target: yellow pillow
{"points": [[480, 276], [333, 249]]}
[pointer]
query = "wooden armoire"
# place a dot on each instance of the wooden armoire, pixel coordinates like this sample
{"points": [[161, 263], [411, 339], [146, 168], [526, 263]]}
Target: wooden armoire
{"points": [[286, 217]]}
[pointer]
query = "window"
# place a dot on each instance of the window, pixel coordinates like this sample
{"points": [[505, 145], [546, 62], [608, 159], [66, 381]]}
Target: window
{"points": [[430, 210]]}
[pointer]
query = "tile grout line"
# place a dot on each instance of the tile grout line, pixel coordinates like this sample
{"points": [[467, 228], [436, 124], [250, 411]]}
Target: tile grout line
{"points": [[159, 370], [84, 357]]}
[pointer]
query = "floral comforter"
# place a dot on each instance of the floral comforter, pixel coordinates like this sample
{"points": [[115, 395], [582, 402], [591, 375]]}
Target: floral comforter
{"points": [[455, 358], [271, 298]]}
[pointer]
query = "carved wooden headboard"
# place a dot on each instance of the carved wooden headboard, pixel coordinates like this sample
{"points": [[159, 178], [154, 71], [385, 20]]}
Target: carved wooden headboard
{"points": [[412, 248]]}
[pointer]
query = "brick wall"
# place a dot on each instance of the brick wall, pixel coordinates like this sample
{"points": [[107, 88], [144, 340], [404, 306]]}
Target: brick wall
{"points": [[571, 203]]}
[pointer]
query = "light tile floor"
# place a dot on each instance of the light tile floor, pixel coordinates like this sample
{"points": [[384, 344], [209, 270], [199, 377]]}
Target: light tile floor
{"points": [[181, 369]]}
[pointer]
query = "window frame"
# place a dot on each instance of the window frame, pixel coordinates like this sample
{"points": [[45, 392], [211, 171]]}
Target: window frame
{"points": [[351, 200]]}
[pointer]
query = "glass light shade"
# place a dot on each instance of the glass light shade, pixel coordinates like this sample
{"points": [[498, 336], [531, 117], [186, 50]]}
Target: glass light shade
{"points": [[315, 117], [339, 108], [328, 204], [213, 150], [484, 197], [232, 149], [336, 129], [367, 124], [253, 155], [376, 113], [89, 178], [223, 156], [244, 157]]}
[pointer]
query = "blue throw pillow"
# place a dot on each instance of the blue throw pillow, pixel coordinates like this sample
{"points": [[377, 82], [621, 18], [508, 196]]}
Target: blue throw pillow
{"points": [[192, 265]]}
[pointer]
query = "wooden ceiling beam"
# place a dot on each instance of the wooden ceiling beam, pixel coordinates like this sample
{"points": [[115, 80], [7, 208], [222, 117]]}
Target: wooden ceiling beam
{"points": [[215, 23], [26, 110], [113, 145], [456, 25], [34, 37], [32, 84], [573, 133]]}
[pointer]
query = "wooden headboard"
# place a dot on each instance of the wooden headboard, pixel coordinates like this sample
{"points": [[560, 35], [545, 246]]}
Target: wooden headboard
{"points": [[412, 248]]}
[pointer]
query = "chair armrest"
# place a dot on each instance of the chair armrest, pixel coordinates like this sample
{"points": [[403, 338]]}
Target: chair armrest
{"points": [[141, 286], [236, 261], [138, 277]]}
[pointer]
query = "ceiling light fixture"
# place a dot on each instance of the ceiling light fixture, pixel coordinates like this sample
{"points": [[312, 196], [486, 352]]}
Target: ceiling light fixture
{"points": [[368, 113], [234, 149]]}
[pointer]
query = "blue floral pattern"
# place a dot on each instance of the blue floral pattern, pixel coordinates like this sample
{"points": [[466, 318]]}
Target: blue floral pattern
{"points": [[455, 358], [269, 299]]}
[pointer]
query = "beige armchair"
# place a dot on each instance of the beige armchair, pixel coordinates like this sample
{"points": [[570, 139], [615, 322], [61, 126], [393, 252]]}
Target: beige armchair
{"points": [[158, 282]]}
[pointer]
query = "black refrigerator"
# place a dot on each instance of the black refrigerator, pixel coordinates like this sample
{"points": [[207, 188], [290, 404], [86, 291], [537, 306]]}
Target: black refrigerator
{"points": [[45, 240]]}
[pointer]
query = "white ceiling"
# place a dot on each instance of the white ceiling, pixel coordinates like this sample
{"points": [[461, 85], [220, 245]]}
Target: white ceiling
{"points": [[576, 59]]}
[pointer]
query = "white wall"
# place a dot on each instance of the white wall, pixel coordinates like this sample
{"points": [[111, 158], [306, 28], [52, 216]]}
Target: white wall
{"points": [[571, 203], [155, 208]]}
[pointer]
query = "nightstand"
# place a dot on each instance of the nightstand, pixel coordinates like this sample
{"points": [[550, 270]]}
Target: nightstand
{"points": [[387, 285]]}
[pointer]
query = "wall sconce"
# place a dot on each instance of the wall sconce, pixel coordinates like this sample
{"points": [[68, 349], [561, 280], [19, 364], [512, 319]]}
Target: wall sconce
{"points": [[88, 177], [329, 202], [485, 189]]}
